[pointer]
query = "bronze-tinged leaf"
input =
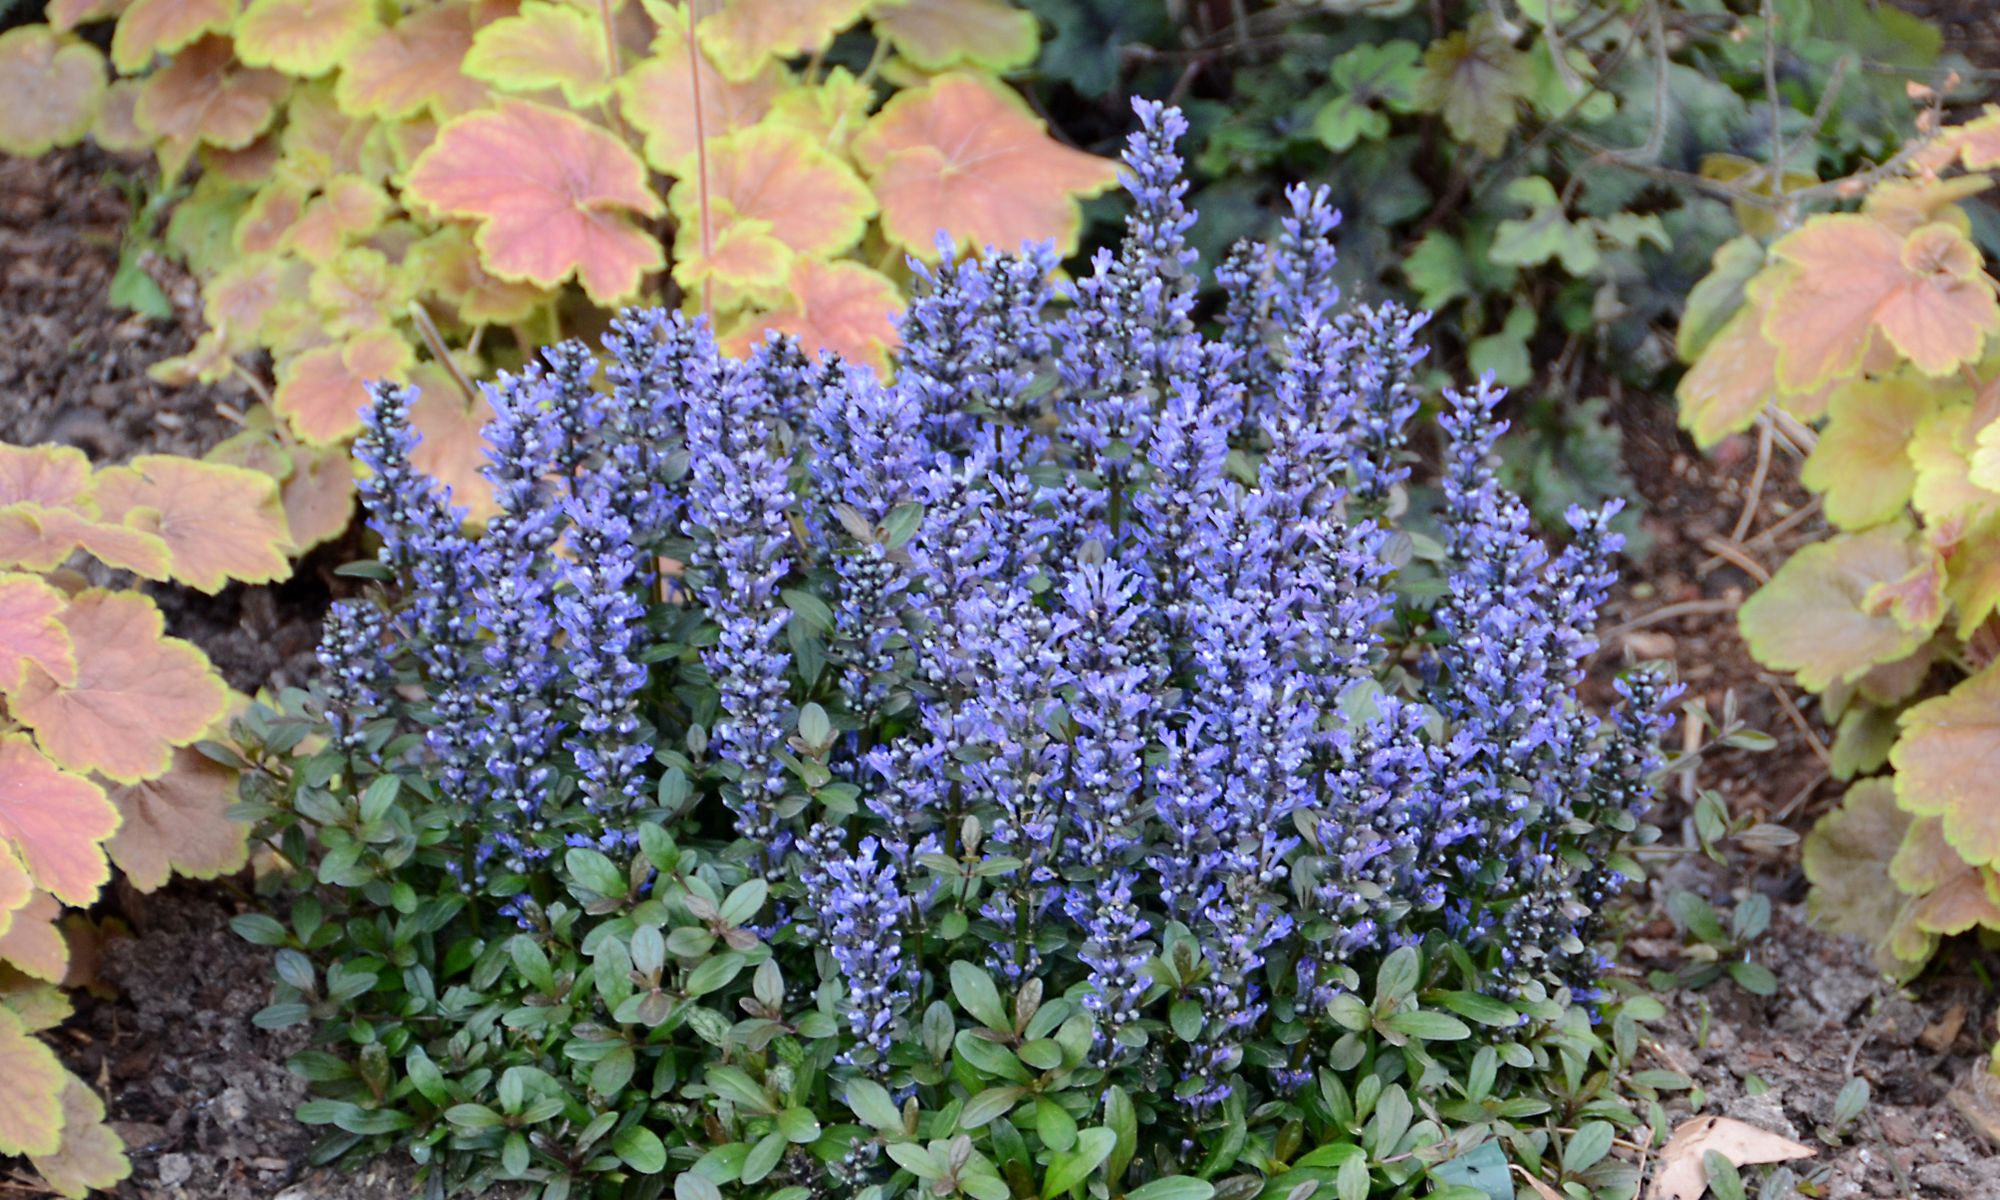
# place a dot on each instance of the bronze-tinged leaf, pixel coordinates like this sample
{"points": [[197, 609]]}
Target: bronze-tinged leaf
{"points": [[1846, 859], [51, 87], [52, 475], [322, 391], [742, 36], [151, 27], [452, 449], [319, 495], [412, 66], [960, 157], [15, 886], [205, 96], [940, 34], [543, 47], [30, 631], [1853, 277], [446, 265], [31, 1085], [1946, 764], [138, 694], [1862, 463], [34, 943], [91, 1157], [301, 37], [1950, 895], [178, 824], [1476, 79], [1814, 616], [656, 98], [56, 822], [220, 523], [552, 193], [40, 539], [843, 308]]}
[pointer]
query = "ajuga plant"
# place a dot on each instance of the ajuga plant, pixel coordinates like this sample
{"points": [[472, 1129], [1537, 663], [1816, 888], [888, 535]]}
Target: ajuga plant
{"points": [[352, 218], [99, 762], [1030, 777], [1876, 327]]}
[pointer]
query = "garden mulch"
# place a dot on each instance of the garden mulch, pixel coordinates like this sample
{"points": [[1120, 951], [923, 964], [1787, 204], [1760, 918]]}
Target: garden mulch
{"points": [[204, 1102]]}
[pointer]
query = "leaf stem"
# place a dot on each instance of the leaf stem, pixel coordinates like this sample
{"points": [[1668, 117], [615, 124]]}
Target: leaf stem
{"points": [[700, 162]]}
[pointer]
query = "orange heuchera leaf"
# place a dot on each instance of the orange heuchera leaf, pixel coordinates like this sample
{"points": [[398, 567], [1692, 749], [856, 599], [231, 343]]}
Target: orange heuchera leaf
{"points": [[346, 208], [448, 267], [318, 495], [321, 141], [117, 124], [152, 27], [657, 100], [54, 475], [31, 1084], [413, 65], [301, 37], [34, 944], [453, 445], [742, 35], [958, 156], [814, 203], [744, 262], [840, 307], [91, 1156], [271, 213], [831, 112], [937, 34], [1953, 896], [179, 824], [30, 632], [220, 523], [1728, 385], [55, 821], [1978, 140], [238, 300], [50, 89], [1853, 276], [41, 538], [1815, 618], [137, 694], [544, 46], [359, 290], [205, 95], [15, 886], [65, 15], [552, 194], [322, 391], [1946, 762]]}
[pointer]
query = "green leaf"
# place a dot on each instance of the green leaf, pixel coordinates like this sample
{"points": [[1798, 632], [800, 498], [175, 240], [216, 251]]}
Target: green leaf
{"points": [[133, 288], [1476, 1006], [1546, 233], [714, 973], [1711, 302], [1861, 464], [1073, 1166], [987, 1105], [1484, 1168], [1173, 1187], [1429, 1026], [1504, 354], [736, 1086], [1186, 1017], [872, 1103], [1121, 1118], [798, 1125], [974, 990], [764, 1157], [594, 872], [1754, 978], [473, 1116], [1475, 78], [990, 1058], [259, 930], [1054, 1125], [1397, 976], [1587, 1146]]}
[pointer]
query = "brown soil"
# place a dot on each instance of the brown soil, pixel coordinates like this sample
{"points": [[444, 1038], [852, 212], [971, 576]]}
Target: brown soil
{"points": [[204, 1102]]}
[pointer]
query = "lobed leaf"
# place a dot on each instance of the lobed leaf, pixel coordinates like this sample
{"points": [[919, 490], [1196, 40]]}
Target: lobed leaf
{"points": [[447, 264], [137, 695], [957, 156], [321, 392], [178, 824], [34, 942], [220, 523], [16, 889], [55, 821], [31, 633], [1852, 277], [51, 89], [413, 66], [1945, 764], [347, 207], [301, 37], [1846, 858], [545, 45], [937, 35], [453, 450], [767, 184], [53, 475], [654, 96], [552, 194], [91, 1156], [151, 27], [1861, 463], [1475, 79], [41, 538], [31, 1087], [207, 97], [841, 307], [1951, 895], [740, 37], [1813, 618]]}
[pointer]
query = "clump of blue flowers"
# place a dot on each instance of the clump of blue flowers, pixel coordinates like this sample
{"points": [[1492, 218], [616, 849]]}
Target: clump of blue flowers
{"points": [[1099, 688]]}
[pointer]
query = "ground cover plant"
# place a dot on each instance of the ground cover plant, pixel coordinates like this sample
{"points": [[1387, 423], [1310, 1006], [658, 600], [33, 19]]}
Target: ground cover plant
{"points": [[98, 766], [1056, 771], [1551, 179], [347, 221], [1873, 328]]}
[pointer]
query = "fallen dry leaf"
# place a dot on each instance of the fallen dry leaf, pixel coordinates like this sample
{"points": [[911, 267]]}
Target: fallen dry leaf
{"points": [[1682, 1175], [1541, 1189]]}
